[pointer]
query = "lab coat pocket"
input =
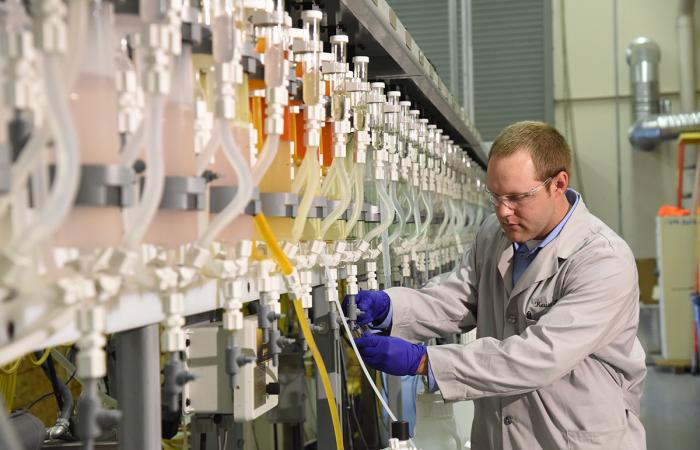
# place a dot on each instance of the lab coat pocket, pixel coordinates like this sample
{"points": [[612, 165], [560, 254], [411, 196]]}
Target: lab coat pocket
{"points": [[595, 440]]}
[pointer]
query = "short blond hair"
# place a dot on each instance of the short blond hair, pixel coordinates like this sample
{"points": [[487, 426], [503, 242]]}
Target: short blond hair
{"points": [[548, 149]]}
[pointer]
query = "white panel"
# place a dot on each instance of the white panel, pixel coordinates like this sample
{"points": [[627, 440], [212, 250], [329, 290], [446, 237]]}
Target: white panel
{"points": [[589, 35], [595, 124], [647, 178]]}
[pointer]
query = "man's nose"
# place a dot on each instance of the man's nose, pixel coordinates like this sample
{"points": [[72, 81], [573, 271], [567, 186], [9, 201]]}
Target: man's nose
{"points": [[503, 210]]}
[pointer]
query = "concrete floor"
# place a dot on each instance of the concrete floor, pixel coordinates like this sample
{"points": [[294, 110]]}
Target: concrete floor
{"points": [[671, 410]]}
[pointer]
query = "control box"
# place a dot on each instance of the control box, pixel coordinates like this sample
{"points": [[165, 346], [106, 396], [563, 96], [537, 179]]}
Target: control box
{"points": [[210, 392]]}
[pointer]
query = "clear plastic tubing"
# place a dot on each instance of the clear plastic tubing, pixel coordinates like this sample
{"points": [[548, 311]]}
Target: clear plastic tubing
{"points": [[204, 158], [245, 185], [345, 196], [358, 177], [310, 180], [155, 175], [67, 180], [387, 206], [398, 231], [267, 156], [26, 162]]}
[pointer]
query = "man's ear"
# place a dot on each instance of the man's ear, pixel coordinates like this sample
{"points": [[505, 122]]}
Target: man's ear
{"points": [[561, 181]]}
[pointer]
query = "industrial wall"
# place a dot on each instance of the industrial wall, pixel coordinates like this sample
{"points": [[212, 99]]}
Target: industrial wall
{"points": [[621, 185]]}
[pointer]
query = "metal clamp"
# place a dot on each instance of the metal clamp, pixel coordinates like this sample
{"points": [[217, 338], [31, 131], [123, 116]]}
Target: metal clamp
{"points": [[279, 204], [319, 208], [103, 185], [184, 193], [370, 213], [252, 63], [221, 196]]}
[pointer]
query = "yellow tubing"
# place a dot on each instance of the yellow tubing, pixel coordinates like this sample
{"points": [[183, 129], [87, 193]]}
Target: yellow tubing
{"points": [[40, 361], [286, 267], [13, 368]]}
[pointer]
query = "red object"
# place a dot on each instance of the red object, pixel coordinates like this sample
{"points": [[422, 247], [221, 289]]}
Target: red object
{"points": [[672, 211]]}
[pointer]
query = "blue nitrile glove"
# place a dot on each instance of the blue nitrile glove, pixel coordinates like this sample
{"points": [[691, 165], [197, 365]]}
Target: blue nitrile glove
{"points": [[374, 306], [390, 354]]}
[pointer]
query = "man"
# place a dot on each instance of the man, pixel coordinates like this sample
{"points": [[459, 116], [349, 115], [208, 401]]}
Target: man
{"points": [[553, 294]]}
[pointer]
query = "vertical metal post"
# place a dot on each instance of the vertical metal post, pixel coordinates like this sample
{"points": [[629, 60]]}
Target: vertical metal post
{"points": [[328, 347], [138, 388]]}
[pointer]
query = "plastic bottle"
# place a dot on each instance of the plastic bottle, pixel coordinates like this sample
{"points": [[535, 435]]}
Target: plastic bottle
{"points": [[94, 108], [435, 424], [180, 158]]}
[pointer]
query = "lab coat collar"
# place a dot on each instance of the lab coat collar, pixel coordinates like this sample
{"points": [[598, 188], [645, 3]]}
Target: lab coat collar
{"points": [[547, 261]]}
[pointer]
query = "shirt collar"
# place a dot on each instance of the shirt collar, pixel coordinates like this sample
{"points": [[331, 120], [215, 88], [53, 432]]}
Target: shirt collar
{"points": [[574, 198]]}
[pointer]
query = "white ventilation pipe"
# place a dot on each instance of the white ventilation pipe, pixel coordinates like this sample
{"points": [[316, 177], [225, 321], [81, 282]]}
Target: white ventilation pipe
{"points": [[643, 57], [649, 130]]}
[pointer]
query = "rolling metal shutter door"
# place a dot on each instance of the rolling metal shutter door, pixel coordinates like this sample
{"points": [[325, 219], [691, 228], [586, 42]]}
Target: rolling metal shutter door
{"points": [[512, 47]]}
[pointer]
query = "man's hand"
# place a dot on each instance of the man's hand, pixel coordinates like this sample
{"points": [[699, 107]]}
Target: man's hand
{"points": [[393, 355], [373, 304]]}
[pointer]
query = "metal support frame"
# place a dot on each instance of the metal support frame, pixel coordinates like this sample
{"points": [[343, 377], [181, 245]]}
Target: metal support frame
{"points": [[138, 388], [328, 346]]}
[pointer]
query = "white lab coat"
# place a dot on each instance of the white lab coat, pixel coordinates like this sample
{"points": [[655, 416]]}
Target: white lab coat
{"points": [[557, 364]]}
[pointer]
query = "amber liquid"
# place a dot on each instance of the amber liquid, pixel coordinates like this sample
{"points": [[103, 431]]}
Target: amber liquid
{"points": [[326, 146], [299, 147], [94, 108]]}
